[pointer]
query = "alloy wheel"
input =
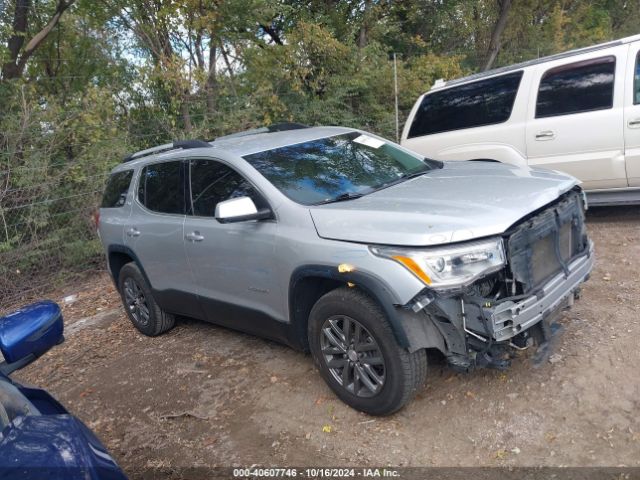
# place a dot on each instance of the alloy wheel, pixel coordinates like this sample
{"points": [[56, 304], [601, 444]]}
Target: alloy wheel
{"points": [[136, 302], [352, 356]]}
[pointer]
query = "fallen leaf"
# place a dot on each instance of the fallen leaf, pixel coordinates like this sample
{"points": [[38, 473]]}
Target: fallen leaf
{"points": [[326, 428], [88, 391], [500, 454]]}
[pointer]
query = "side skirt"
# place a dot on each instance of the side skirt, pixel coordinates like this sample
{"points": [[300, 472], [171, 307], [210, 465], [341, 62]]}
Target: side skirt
{"points": [[235, 317]]}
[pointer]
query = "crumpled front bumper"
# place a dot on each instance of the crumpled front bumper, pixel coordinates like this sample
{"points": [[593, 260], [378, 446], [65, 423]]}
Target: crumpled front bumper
{"points": [[509, 318]]}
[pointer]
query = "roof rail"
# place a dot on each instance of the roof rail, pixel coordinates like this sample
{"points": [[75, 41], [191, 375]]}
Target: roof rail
{"points": [[529, 63], [175, 145], [274, 127], [284, 126]]}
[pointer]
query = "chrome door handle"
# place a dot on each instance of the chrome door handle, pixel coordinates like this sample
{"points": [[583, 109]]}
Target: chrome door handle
{"points": [[133, 232], [194, 237], [545, 135], [634, 123]]}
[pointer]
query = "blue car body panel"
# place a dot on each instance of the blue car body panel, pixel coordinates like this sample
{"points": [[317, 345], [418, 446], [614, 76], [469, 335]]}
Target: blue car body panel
{"points": [[40, 438], [29, 331], [54, 447]]}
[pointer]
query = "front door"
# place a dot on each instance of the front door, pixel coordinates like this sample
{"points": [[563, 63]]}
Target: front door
{"points": [[575, 115], [233, 264], [632, 116]]}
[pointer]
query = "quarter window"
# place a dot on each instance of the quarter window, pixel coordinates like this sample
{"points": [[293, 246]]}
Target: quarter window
{"points": [[485, 102], [115, 193], [162, 187], [213, 182], [577, 87]]}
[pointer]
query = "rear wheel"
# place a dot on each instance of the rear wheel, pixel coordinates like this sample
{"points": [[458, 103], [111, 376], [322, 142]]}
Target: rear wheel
{"points": [[358, 356], [141, 307]]}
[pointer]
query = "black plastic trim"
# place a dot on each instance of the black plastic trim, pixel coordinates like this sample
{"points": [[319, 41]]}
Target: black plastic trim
{"points": [[126, 250], [366, 282], [176, 145]]}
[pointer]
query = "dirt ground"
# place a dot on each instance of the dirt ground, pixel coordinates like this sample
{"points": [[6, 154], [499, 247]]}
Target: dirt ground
{"points": [[201, 395]]}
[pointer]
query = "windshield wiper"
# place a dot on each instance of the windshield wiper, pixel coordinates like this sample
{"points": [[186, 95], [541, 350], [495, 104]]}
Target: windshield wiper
{"points": [[402, 178], [341, 198]]}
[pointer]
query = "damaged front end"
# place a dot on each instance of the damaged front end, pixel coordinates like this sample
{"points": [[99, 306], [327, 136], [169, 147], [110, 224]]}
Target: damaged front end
{"points": [[547, 256]]}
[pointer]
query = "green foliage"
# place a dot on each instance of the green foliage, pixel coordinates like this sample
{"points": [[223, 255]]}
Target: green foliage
{"points": [[117, 76]]}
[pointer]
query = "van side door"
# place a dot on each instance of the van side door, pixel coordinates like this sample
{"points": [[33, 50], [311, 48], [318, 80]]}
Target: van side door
{"points": [[574, 118], [632, 115]]}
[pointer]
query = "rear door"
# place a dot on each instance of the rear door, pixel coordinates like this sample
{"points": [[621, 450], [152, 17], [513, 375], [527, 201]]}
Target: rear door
{"points": [[154, 233], [575, 117], [115, 209], [233, 264], [632, 116]]}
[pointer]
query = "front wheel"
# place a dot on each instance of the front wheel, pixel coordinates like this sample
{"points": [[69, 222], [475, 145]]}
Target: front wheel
{"points": [[355, 349]]}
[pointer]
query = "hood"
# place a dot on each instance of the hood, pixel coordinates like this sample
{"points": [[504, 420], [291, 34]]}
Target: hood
{"points": [[461, 201]]}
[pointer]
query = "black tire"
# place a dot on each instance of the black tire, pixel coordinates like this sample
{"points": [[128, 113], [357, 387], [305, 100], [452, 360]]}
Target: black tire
{"points": [[155, 321], [403, 373]]}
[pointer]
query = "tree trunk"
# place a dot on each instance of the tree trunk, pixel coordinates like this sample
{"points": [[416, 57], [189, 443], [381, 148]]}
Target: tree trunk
{"points": [[211, 79], [498, 28], [362, 32], [20, 20], [186, 116]]}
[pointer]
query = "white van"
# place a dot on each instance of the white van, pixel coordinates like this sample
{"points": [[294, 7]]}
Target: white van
{"points": [[577, 112]]}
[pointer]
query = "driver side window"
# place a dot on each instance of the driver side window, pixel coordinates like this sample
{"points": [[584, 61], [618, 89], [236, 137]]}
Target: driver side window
{"points": [[213, 182]]}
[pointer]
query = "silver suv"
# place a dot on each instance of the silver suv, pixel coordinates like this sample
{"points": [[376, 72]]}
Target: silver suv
{"points": [[339, 242]]}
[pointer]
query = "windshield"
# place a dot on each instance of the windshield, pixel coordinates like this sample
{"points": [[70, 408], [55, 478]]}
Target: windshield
{"points": [[333, 168]]}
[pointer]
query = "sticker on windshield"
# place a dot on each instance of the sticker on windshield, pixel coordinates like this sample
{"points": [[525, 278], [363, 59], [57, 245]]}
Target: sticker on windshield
{"points": [[369, 141]]}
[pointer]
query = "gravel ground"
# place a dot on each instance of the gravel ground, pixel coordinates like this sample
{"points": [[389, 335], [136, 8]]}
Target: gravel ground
{"points": [[201, 395]]}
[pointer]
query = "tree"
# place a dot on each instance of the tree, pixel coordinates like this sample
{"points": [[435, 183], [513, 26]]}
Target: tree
{"points": [[504, 6], [19, 53]]}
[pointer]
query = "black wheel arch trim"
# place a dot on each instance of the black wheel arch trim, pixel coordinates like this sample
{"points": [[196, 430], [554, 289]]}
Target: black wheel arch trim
{"points": [[127, 251], [368, 283]]}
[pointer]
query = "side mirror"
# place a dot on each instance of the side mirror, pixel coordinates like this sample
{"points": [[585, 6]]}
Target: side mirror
{"points": [[241, 209], [28, 333]]}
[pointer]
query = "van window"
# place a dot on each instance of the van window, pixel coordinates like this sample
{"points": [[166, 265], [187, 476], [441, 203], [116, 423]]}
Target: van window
{"points": [[636, 82], [577, 87], [213, 182], [161, 187], [485, 102], [115, 193]]}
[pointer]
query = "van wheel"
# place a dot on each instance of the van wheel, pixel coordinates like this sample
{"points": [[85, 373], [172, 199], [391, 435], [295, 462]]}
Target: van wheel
{"points": [[354, 347], [141, 307]]}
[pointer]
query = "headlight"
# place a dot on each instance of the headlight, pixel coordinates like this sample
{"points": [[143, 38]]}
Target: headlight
{"points": [[448, 267]]}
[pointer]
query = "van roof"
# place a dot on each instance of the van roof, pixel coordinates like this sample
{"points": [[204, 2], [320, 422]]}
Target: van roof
{"points": [[517, 66]]}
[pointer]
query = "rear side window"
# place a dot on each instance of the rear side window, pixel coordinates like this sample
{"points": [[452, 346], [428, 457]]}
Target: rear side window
{"points": [[161, 187], [577, 87], [213, 182], [485, 102], [115, 193], [636, 82]]}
